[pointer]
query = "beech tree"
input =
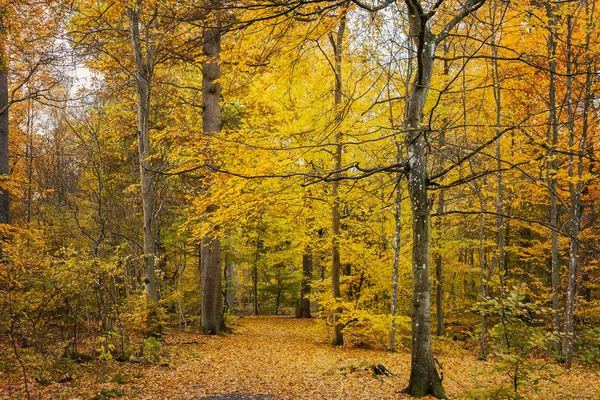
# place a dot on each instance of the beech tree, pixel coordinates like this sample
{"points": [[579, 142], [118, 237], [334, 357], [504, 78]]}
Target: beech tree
{"points": [[144, 53], [424, 378], [337, 42], [210, 253]]}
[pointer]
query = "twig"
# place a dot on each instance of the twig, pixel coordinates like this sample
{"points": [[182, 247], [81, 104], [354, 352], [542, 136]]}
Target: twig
{"points": [[14, 346]]}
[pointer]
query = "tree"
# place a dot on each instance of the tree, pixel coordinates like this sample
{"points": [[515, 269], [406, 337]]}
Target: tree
{"points": [[424, 378], [210, 254], [337, 43], [145, 58], [4, 196], [303, 309]]}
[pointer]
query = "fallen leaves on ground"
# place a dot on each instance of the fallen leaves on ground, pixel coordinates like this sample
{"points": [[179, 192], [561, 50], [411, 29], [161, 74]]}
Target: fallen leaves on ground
{"points": [[286, 358]]}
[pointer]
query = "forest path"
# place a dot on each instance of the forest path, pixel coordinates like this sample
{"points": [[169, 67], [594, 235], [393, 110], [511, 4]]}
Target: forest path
{"points": [[288, 358], [279, 358]]}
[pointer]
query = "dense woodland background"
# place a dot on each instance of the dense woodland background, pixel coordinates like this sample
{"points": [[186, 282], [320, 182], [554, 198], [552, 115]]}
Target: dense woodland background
{"points": [[178, 164]]}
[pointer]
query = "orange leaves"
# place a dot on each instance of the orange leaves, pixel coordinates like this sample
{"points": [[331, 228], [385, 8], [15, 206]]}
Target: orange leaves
{"points": [[289, 358]]}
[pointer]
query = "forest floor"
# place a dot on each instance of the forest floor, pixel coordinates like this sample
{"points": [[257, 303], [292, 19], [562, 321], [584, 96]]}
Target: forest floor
{"points": [[288, 358]]}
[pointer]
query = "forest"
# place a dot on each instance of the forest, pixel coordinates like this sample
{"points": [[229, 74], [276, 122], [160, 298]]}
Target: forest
{"points": [[299, 199]]}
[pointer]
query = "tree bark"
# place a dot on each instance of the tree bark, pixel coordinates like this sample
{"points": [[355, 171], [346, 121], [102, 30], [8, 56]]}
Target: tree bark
{"points": [[336, 267], [144, 66], [439, 277], [497, 85], [303, 310], [551, 170], [397, 244], [212, 303], [484, 275], [4, 171], [575, 172], [424, 378], [573, 211], [255, 270], [228, 276], [212, 321]]}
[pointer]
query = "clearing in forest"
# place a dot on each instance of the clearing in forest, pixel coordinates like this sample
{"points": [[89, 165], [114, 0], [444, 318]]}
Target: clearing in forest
{"points": [[288, 358]]}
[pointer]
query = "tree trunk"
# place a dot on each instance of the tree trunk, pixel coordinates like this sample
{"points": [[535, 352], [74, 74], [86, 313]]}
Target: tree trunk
{"points": [[424, 378], [255, 271], [397, 244], [483, 277], [573, 221], [4, 196], [212, 321], [497, 85], [500, 246], [439, 277], [229, 288], [576, 158], [336, 267], [144, 66], [551, 170], [212, 303], [303, 310]]}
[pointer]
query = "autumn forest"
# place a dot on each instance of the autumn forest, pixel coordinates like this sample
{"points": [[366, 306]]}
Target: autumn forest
{"points": [[303, 199]]}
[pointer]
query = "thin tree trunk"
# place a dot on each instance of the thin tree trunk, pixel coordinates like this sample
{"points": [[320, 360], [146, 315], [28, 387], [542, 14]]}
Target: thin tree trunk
{"points": [[337, 44], [29, 156], [551, 170], [229, 288], [144, 65], [397, 247], [255, 271], [573, 221], [576, 157], [212, 321], [439, 277], [483, 277], [4, 171], [499, 256], [497, 85]]}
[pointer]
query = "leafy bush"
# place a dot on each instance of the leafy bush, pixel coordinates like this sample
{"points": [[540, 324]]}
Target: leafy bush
{"points": [[364, 328], [588, 345], [518, 337], [153, 349]]}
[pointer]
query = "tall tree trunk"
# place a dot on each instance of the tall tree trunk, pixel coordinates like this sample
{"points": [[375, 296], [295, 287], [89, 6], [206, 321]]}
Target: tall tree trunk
{"points": [[144, 66], [439, 277], [497, 85], [4, 196], [212, 321], [483, 276], [397, 245], [576, 158], [424, 378], [499, 257], [303, 310], [336, 267], [551, 170], [574, 209]]}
